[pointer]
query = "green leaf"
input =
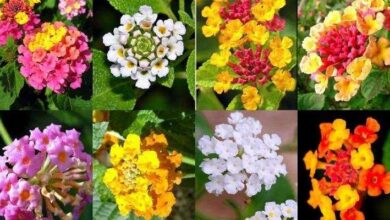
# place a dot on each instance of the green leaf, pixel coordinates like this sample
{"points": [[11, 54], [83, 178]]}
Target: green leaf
{"points": [[109, 92], [168, 80], [65, 102], [311, 101], [190, 69], [208, 100], [132, 6], [236, 103], [279, 193], [193, 8], [186, 19], [373, 84], [49, 4], [11, 82], [99, 187], [271, 96], [98, 132], [144, 120], [386, 153]]}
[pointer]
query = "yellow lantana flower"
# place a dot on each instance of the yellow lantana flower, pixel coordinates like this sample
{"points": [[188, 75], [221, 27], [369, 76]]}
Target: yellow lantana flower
{"points": [[333, 17], [231, 35], [224, 80], [250, 98], [326, 208], [349, 14], [338, 135], [309, 44], [378, 51], [143, 176], [346, 196], [147, 161], [283, 80], [220, 59], [362, 157], [346, 87], [21, 18], [311, 162], [280, 54], [310, 63], [359, 68], [116, 154], [369, 25], [266, 9], [315, 194], [257, 33]]}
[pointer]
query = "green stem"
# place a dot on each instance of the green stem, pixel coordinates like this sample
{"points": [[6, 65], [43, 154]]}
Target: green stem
{"points": [[4, 134], [189, 176], [189, 161], [182, 5]]}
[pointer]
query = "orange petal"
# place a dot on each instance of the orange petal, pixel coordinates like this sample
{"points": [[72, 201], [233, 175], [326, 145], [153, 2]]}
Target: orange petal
{"points": [[386, 183], [373, 124]]}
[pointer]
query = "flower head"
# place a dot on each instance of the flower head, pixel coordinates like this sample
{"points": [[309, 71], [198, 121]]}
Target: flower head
{"points": [[347, 169], [244, 160], [55, 56], [250, 98], [16, 19], [143, 175], [49, 169], [273, 211], [141, 48], [72, 8]]}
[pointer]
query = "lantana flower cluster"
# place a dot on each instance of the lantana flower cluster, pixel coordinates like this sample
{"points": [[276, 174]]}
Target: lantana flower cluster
{"points": [[72, 8], [237, 158], [272, 211], [250, 48], [343, 169], [344, 47], [16, 19], [54, 56], [42, 173], [142, 46], [143, 175]]}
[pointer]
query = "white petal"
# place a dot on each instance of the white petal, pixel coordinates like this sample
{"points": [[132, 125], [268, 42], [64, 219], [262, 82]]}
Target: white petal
{"points": [[109, 39], [115, 70]]}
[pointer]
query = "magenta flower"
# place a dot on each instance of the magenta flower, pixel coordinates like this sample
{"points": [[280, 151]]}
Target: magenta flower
{"points": [[47, 168], [59, 64], [253, 66], [28, 164], [24, 195], [60, 154], [72, 8]]}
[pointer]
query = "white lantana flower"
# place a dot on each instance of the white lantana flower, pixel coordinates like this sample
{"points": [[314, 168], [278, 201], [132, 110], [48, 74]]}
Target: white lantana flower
{"points": [[142, 46], [239, 155], [273, 211]]}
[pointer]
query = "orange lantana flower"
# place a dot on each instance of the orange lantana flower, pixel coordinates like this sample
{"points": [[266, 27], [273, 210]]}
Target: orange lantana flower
{"points": [[365, 134], [375, 180], [352, 214]]}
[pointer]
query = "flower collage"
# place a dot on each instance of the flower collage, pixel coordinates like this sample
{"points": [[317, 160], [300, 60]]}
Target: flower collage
{"points": [[194, 109]]}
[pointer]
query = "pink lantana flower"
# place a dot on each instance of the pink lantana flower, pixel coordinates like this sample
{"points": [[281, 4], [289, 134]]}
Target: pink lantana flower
{"points": [[17, 19], [25, 195], [58, 63], [72, 8]]}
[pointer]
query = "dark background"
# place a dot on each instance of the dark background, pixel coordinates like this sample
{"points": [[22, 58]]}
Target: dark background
{"points": [[374, 208]]}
